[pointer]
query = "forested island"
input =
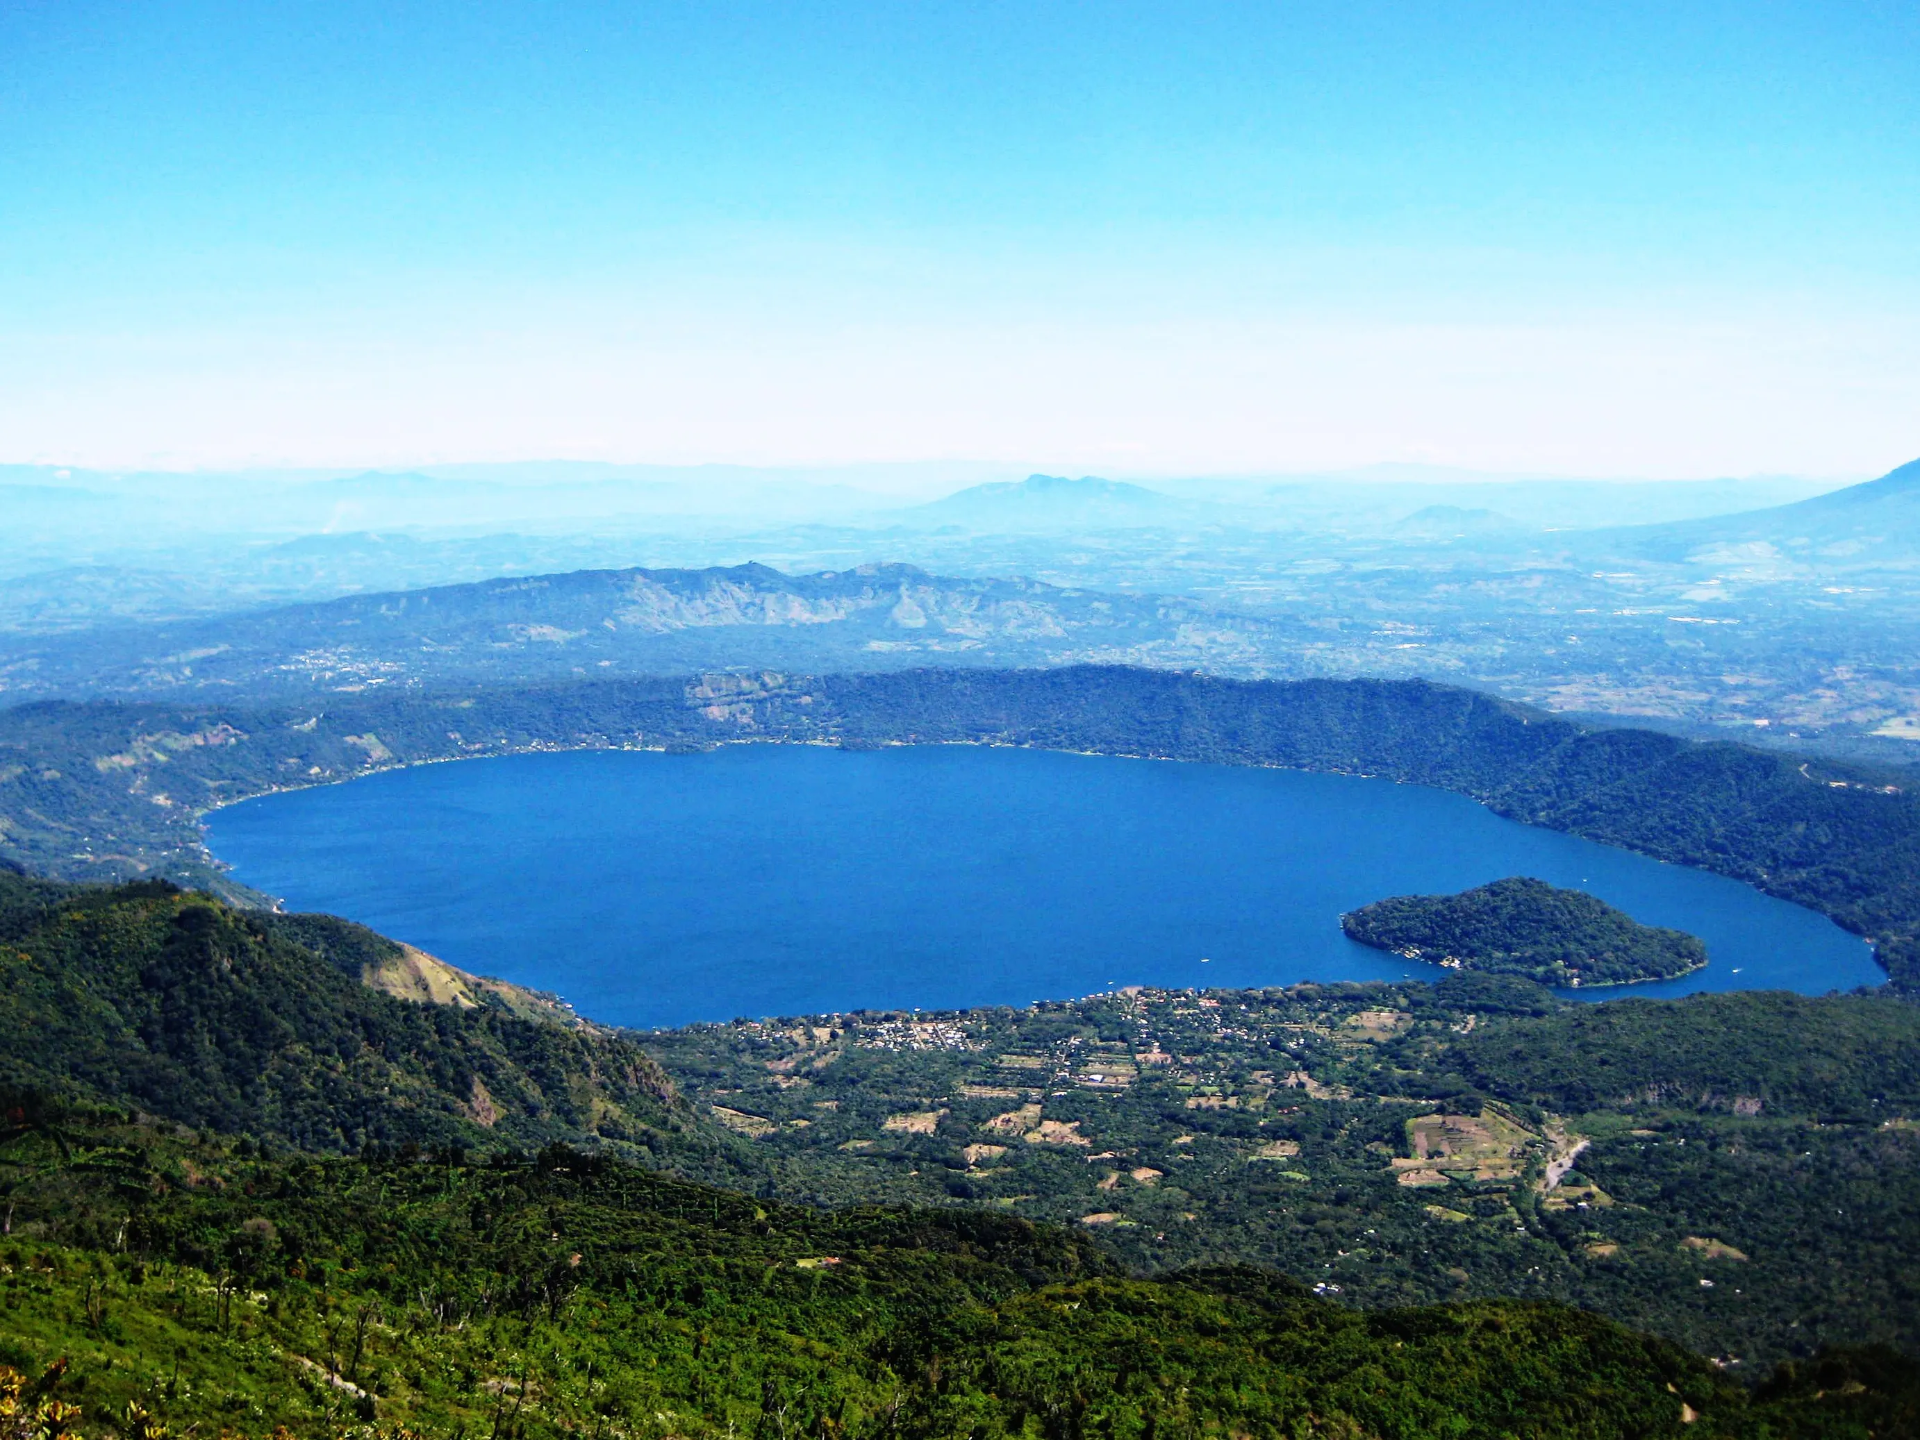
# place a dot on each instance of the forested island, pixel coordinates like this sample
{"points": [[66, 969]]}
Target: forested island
{"points": [[1526, 927]]}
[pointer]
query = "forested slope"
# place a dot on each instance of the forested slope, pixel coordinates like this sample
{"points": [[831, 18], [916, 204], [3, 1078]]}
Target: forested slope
{"points": [[216, 1292], [1835, 1059], [445, 1280], [251, 1024]]}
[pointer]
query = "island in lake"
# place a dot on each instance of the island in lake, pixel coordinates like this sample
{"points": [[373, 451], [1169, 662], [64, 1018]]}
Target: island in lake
{"points": [[1522, 926]]}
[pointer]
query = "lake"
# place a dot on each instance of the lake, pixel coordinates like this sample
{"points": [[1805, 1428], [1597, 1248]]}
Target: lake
{"points": [[655, 890]]}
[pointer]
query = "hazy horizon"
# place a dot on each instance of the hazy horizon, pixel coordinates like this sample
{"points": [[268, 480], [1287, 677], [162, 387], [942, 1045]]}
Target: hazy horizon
{"points": [[895, 477], [1135, 240]]}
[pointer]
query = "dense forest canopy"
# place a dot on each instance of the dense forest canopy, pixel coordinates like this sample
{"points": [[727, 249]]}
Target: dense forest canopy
{"points": [[249, 1023], [194, 1285], [1522, 926]]}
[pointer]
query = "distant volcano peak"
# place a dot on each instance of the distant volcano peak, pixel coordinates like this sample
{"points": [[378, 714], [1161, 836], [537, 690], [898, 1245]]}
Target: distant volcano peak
{"points": [[1037, 484], [1058, 500]]}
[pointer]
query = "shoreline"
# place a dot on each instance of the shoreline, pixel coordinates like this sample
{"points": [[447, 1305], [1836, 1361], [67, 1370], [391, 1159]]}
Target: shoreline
{"points": [[1253, 966], [1462, 968], [105, 832]]}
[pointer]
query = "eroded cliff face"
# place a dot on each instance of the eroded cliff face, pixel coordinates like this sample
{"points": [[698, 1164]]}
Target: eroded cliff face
{"points": [[413, 974]]}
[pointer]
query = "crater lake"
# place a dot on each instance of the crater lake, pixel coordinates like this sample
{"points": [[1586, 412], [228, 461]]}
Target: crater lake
{"points": [[655, 889]]}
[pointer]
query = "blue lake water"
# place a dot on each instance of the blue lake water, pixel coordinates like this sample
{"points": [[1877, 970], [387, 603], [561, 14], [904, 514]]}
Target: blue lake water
{"points": [[654, 889]]}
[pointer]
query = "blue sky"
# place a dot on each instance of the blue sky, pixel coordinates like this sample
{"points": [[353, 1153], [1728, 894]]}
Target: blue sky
{"points": [[1628, 239]]}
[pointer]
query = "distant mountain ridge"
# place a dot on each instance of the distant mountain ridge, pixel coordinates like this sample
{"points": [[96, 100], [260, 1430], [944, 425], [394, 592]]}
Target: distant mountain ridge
{"points": [[388, 484], [1055, 501], [1437, 521], [626, 622], [1874, 523], [1900, 485]]}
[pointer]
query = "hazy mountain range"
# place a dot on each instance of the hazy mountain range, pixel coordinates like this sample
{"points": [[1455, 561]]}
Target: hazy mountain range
{"points": [[69, 515], [1794, 621], [149, 547], [635, 621], [1871, 525], [1054, 502]]}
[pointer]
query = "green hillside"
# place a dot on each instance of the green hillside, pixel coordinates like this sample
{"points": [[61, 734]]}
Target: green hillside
{"points": [[157, 1282], [1526, 927], [250, 1189], [254, 1024]]}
